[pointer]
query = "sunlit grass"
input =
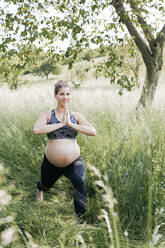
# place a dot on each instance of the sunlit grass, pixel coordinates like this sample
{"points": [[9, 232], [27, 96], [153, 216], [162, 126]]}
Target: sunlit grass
{"points": [[128, 151]]}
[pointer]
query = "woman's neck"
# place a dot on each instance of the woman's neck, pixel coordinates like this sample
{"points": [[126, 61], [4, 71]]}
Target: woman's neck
{"points": [[60, 109]]}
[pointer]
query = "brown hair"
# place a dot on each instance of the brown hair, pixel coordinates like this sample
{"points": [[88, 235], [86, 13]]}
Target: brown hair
{"points": [[60, 84]]}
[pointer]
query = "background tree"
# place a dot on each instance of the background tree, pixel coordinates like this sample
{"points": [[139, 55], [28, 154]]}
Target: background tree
{"points": [[46, 68], [45, 63], [81, 23], [78, 73], [10, 73], [13, 64]]}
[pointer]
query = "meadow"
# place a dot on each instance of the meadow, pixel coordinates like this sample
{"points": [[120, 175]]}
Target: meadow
{"points": [[125, 171]]}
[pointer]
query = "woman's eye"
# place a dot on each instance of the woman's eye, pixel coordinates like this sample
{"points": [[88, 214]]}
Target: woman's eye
{"points": [[62, 94]]}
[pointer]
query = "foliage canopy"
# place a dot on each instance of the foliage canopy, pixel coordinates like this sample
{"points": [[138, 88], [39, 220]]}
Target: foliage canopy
{"points": [[69, 26]]}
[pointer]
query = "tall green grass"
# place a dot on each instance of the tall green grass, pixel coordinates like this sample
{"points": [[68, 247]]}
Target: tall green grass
{"points": [[125, 192]]}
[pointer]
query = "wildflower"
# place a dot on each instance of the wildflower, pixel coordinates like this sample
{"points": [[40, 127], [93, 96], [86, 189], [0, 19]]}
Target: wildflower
{"points": [[105, 216], [126, 234], [155, 237], [4, 197], [8, 236], [94, 169], [6, 220], [1, 168]]}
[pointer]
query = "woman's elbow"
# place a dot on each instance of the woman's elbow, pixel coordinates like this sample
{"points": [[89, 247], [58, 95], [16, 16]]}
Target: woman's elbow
{"points": [[36, 130], [94, 132]]}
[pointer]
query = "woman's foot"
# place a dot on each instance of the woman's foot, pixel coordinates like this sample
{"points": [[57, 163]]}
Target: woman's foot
{"points": [[40, 195], [80, 220]]}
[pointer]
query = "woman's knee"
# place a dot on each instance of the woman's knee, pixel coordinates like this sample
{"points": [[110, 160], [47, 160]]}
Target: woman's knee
{"points": [[78, 180]]}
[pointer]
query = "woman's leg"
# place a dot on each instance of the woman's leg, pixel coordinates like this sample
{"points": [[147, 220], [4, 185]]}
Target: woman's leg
{"points": [[76, 173], [49, 175]]}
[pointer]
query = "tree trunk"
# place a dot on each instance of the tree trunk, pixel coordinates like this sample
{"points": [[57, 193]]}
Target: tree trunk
{"points": [[151, 48], [153, 70], [137, 67], [149, 87]]}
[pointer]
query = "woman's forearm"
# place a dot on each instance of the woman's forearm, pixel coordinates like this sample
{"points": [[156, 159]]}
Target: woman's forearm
{"points": [[47, 128], [88, 130]]}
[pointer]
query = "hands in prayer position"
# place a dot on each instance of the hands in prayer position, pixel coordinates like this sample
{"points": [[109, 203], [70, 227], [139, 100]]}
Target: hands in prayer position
{"points": [[66, 117]]}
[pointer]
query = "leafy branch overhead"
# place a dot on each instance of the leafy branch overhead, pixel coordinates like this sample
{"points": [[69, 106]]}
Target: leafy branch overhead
{"points": [[70, 26]]}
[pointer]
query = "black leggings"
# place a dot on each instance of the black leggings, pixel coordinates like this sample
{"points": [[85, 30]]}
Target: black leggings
{"points": [[75, 172]]}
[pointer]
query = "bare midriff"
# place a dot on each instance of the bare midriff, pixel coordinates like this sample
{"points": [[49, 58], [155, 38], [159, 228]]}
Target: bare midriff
{"points": [[62, 152]]}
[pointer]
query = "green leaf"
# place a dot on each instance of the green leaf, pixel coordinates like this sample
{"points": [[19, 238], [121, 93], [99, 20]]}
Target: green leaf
{"points": [[82, 1], [68, 51], [82, 12], [24, 33]]}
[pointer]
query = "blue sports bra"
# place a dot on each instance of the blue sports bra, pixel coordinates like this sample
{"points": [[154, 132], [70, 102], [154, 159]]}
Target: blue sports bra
{"points": [[65, 132]]}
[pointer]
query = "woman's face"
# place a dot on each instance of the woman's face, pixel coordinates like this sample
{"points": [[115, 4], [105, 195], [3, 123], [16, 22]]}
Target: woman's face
{"points": [[63, 96]]}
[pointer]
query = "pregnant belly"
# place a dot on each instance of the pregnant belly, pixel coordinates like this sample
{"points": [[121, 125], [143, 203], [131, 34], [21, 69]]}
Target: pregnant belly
{"points": [[62, 152]]}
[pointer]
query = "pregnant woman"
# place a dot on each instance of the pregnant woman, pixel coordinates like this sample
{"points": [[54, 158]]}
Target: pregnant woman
{"points": [[62, 153]]}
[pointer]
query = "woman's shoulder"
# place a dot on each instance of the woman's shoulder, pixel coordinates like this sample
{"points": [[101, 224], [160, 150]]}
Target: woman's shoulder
{"points": [[46, 114], [77, 115]]}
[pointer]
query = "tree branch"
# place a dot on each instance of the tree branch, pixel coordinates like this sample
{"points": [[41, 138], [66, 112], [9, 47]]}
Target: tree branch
{"points": [[158, 48], [145, 51], [145, 27], [161, 37]]}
